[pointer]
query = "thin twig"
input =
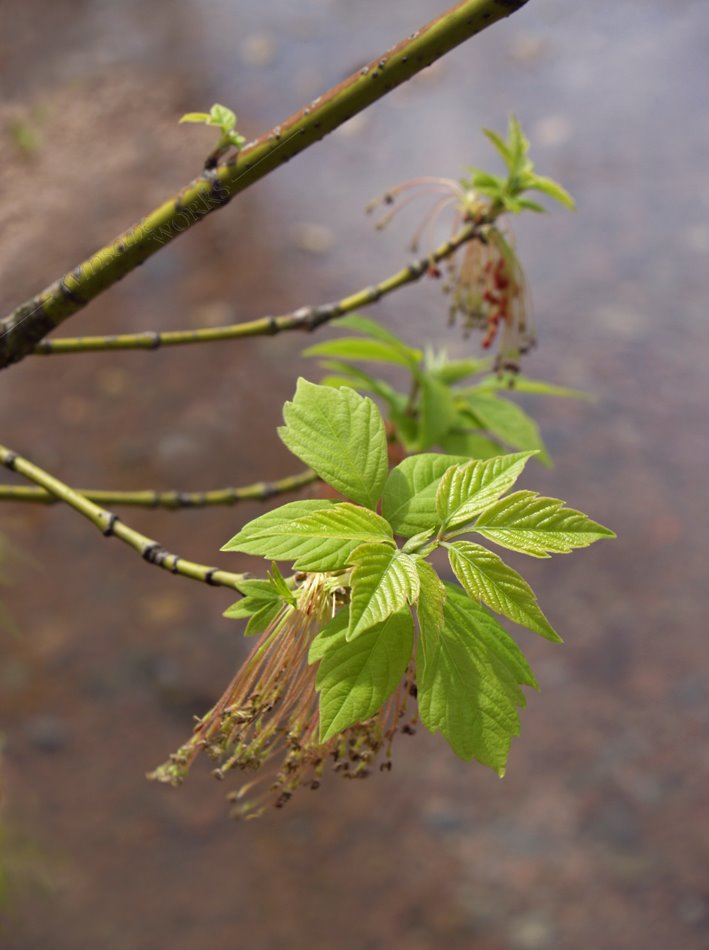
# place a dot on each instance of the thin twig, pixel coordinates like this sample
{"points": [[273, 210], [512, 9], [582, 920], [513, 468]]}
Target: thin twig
{"points": [[22, 329], [306, 318], [110, 525], [172, 500]]}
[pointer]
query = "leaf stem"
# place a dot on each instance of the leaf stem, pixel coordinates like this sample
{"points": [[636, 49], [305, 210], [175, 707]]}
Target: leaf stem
{"points": [[111, 526], [172, 500], [306, 318]]}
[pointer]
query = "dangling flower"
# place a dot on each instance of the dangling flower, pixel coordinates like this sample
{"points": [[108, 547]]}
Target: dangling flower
{"points": [[488, 290], [484, 278], [451, 195], [269, 712]]}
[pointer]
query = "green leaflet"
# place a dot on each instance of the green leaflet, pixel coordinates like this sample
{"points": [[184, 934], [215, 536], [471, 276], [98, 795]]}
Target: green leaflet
{"points": [[372, 328], [384, 581], [455, 371], [409, 499], [507, 421], [526, 521], [421, 544], [466, 490], [461, 441], [356, 378], [340, 435], [524, 384], [548, 186], [432, 598], [407, 428], [359, 348], [469, 679], [281, 585], [261, 602], [356, 677], [315, 535], [438, 411], [487, 578]]}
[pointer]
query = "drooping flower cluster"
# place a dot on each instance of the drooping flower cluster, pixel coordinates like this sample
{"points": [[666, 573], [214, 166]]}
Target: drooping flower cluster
{"points": [[487, 289], [267, 721], [484, 279]]}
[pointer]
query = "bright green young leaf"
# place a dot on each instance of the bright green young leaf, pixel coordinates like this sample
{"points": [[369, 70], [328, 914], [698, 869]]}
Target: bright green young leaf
{"points": [[487, 578], [195, 117], [523, 384], [505, 655], [550, 187], [222, 117], [384, 581], [407, 428], [526, 204], [432, 598], [280, 584], [502, 148], [315, 536], [409, 499], [484, 182], [356, 378], [358, 348], [518, 146], [527, 522], [512, 203], [418, 542], [438, 411], [261, 602], [507, 421], [340, 435], [372, 328], [466, 490], [455, 371], [356, 677], [469, 444], [469, 677]]}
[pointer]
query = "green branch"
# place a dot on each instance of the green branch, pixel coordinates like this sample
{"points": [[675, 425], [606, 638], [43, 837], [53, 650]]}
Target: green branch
{"points": [[172, 500], [111, 526], [22, 329], [306, 318]]}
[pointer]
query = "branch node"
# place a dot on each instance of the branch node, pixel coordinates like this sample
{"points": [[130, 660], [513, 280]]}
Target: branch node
{"points": [[110, 526], [151, 552]]}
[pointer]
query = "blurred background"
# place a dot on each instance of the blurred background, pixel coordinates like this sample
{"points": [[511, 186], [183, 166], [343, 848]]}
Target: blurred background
{"points": [[598, 835]]}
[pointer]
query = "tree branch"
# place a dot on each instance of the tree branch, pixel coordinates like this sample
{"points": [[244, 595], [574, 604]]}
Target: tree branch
{"points": [[111, 526], [306, 318], [22, 329], [148, 498]]}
